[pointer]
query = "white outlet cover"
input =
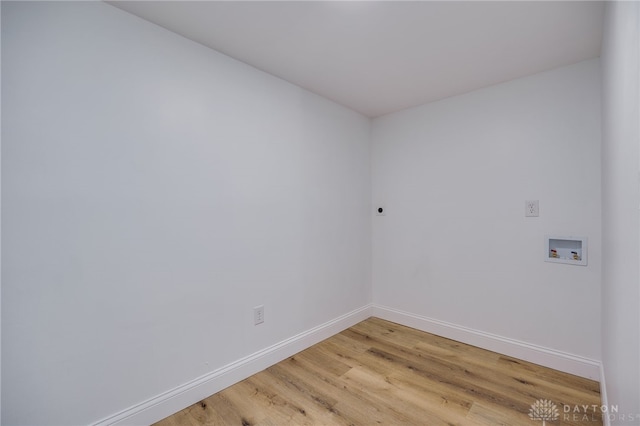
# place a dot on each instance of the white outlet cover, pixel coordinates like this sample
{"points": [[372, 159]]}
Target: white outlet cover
{"points": [[258, 315], [532, 208]]}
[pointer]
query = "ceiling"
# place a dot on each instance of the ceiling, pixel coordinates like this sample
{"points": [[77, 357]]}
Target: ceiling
{"points": [[378, 57]]}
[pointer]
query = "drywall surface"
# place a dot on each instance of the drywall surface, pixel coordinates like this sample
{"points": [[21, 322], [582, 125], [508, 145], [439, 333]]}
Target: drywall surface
{"points": [[455, 244], [153, 192], [0, 223], [620, 209]]}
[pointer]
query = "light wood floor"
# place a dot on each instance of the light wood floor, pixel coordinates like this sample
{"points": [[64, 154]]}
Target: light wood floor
{"points": [[378, 372]]}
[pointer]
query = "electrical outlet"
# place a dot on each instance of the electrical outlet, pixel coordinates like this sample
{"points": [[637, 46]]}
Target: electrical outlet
{"points": [[258, 315], [531, 208]]}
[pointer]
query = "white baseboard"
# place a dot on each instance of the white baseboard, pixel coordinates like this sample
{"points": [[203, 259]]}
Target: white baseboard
{"points": [[165, 404], [562, 361]]}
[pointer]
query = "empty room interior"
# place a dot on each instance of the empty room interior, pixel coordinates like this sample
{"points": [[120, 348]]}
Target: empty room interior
{"points": [[199, 195]]}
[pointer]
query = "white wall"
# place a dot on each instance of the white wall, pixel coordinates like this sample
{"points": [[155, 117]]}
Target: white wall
{"points": [[620, 205], [454, 176], [153, 192], [0, 221]]}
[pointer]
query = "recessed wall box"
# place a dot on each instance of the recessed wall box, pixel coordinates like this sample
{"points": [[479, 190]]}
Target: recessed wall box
{"points": [[569, 250]]}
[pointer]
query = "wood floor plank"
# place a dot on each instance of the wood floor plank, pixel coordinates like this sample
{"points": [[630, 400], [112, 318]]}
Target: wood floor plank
{"points": [[268, 399], [486, 416], [331, 362], [379, 372], [355, 402], [415, 407]]}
